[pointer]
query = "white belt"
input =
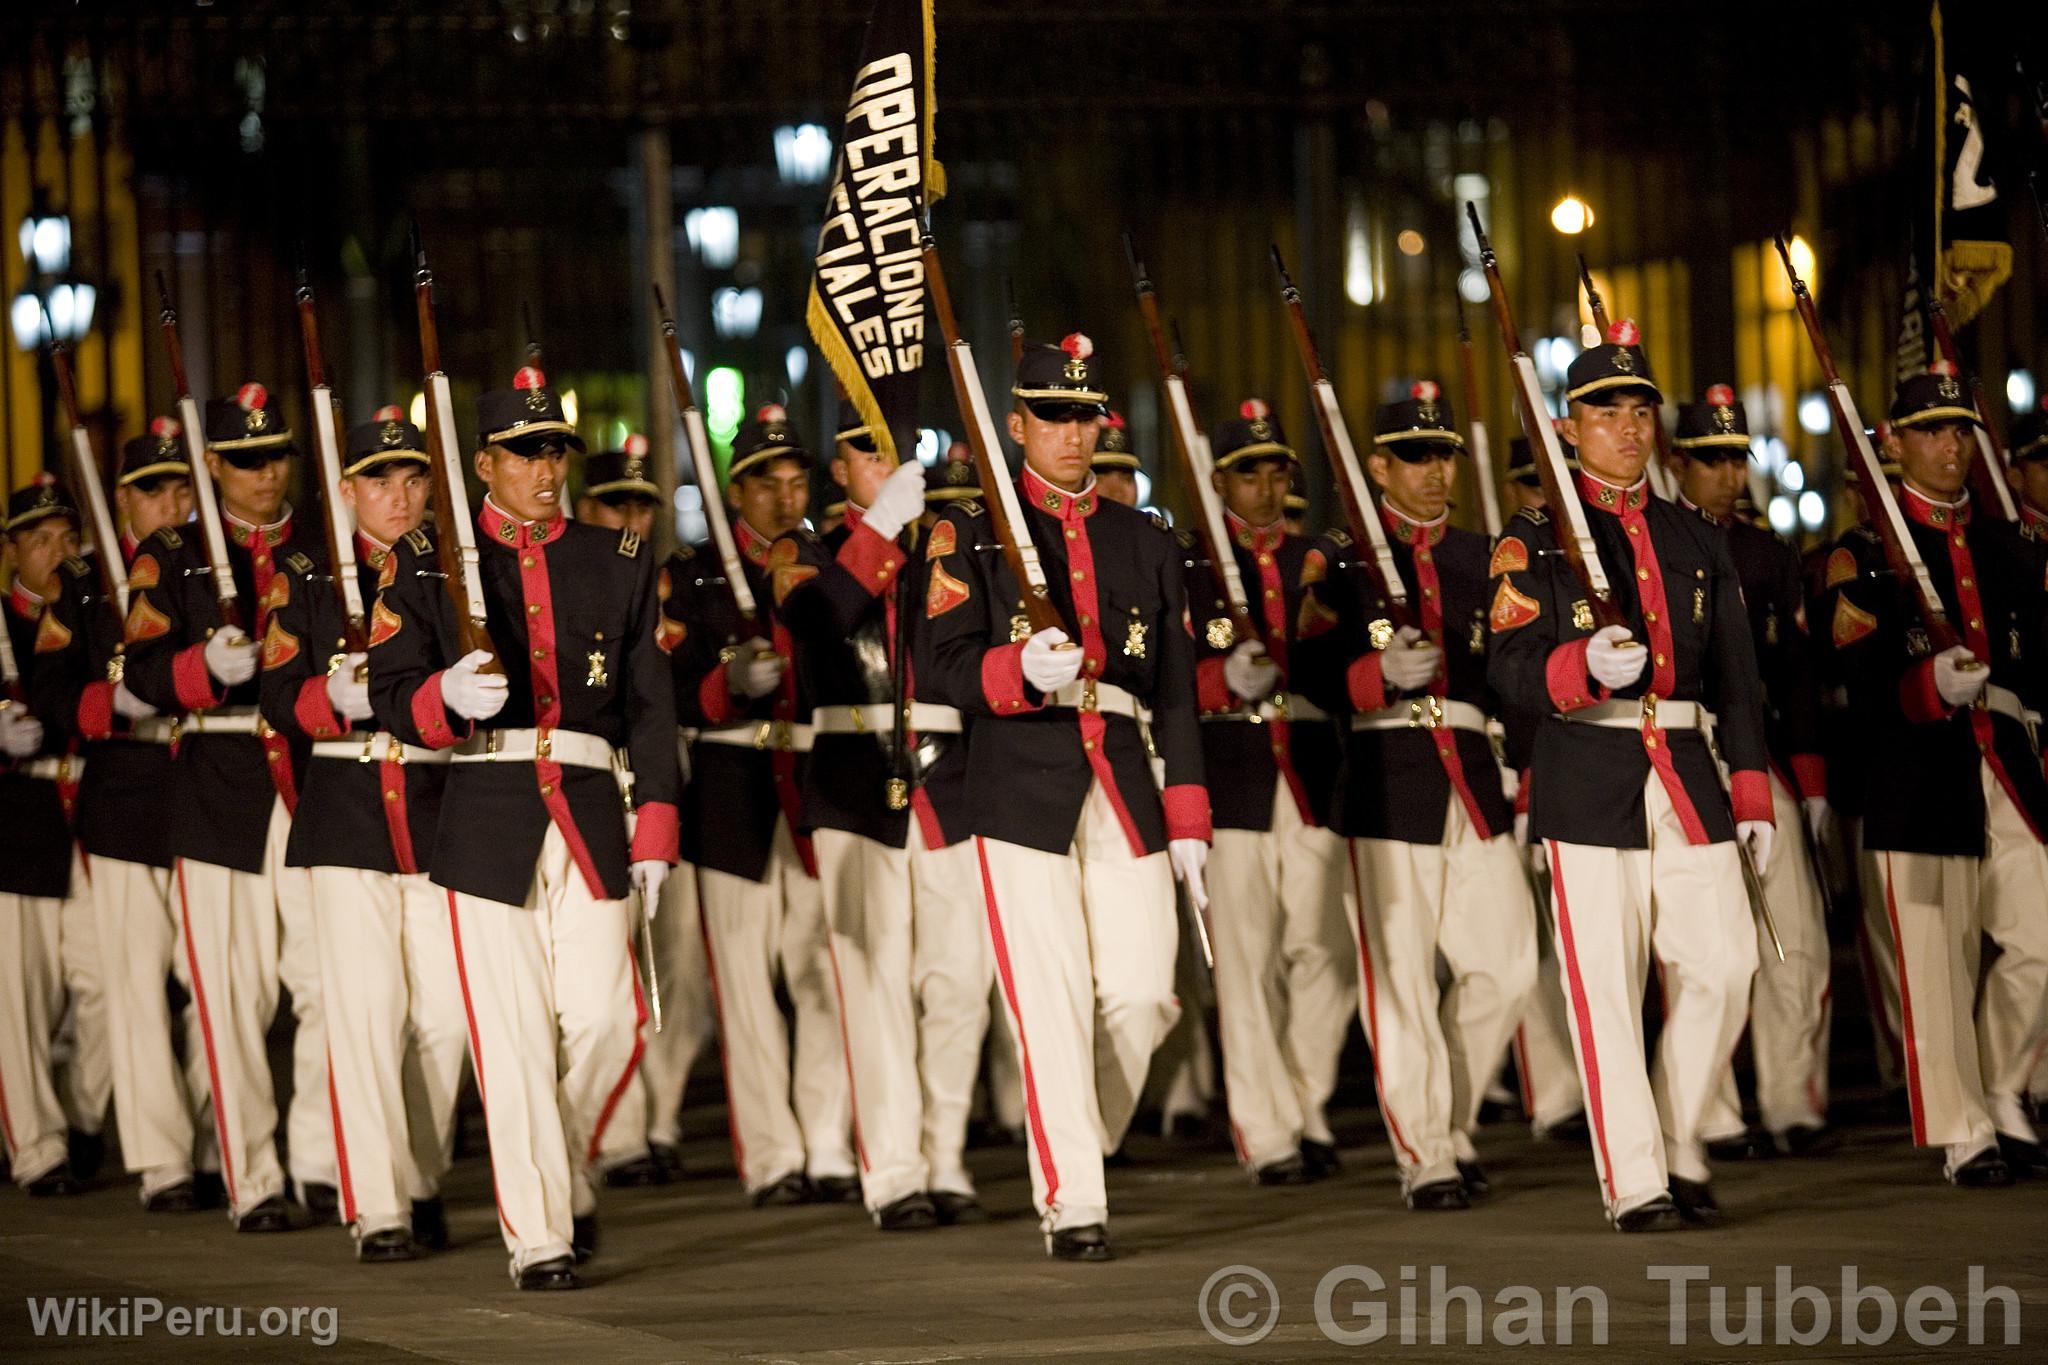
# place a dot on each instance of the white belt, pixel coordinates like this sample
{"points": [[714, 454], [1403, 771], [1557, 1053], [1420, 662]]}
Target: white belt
{"points": [[64, 768], [783, 736], [879, 718], [1280, 706], [1634, 714], [1086, 694], [238, 720], [155, 730], [2005, 702], [1424, 713], [378, 746], [571, 748]]}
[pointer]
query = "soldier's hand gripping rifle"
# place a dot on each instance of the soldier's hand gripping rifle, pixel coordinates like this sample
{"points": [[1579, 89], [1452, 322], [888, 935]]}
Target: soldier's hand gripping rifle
{"points": [[1987, 471], [1662, 480], [203, 495], [341, 541], [1475, 426], [85, 472], [455, 543]]}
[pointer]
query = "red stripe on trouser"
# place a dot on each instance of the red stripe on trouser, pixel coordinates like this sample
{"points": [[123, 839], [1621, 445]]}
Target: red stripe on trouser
{"points": [[220, 1108], [1371, 1000], [732, 1119], [1002, 951], [476, 1055], [348, 1191], [1583, 1014], [846, 1048], [611, 1101], [1891, 910]]}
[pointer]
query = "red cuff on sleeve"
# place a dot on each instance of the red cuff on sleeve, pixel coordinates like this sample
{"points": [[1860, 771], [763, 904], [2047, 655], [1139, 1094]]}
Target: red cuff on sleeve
{"points": [[1571, 688], [1187, 811], [715, 699], [1923, 705], [1368, 686], [430, 715], [316, 714], [96, 711], [1522, 792], [657, 833], [1749, 793], [1002, 680], [193, 684], [1212, 693], [1810, 775], [872, 560]]}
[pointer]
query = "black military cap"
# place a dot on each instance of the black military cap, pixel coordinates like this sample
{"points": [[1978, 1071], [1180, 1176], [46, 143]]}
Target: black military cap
{"points": [[1617, 365], [525, 418], [1254, 434], [158, 453], [2030, 435], [834, 511], [385, 438], [1295, 505], [622, 473], [1924, 400], [1054, 381], [1522, 461], [247, 430], [40, 500], [1714, 429], [1113, 446], [1418, 426], [768, 437], [954, 478], [853, 429]]}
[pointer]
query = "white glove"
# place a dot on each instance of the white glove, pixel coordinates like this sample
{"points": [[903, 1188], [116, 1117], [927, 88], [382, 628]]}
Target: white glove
{"points": [[1409, 661], [1533, 854], [647, 875], [1757, 835], [1046, 666], [21, 734], [479, 696], [230, 656], [1815, 809], [127, 704], [1612, 663], [900, 501], [347, 696], [755, 671], [1249, 673], [1958, 685], [1189, 857]]}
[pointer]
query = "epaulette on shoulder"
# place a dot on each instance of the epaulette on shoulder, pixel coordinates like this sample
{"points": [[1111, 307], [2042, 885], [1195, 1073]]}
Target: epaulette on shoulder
{"points": [[1704, 515], [170, 537], [629, 543], [298, 563], [1866, 531], [1535, 516], [1183, 538], [1158, 519], [969, 507], [419, 540], [685, 552], [76, 566], [809, 535], [1340, 539]]}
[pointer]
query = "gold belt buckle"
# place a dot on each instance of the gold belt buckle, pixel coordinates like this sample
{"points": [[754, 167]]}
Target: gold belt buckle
{"points": [[494, 740], [544, 747], [394, 752], [1088, 698], [369, 752], [860, 724], [1649, 710], [64, 770], [1280, 711]]}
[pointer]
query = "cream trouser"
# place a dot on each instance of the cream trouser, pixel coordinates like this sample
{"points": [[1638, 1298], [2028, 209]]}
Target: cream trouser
{"points": [[687, 1019], [32, 990]]}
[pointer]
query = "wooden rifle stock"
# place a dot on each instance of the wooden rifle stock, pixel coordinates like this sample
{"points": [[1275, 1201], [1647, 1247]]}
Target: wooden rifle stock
{"points": [[1659, 471], [1016, 321], [85, 472], [211, 531], [341, 546], [1482, 449]]}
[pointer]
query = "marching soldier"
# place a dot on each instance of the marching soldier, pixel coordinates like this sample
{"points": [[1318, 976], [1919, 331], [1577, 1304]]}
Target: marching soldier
{"points": [[901, 888], [1625, 794], [244, 915], [1284, 980], [1115, 465], [2029, 471], [1078, 847], [1788, 1023], [1435, 871], [534, 848], [1953, 850], [742, 822], [617, 492], [365, 831], [1296, 513]]}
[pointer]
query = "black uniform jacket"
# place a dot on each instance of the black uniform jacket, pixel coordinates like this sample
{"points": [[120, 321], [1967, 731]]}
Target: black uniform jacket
{"points": [[223, 784], [1675, 587], [1244, 754], [572, 614], [1398, 784], [34, 811], [1991, 582], [371, 810], [1116, 578], [848, 598]]}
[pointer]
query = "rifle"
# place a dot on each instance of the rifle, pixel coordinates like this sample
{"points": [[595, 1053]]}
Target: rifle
{"points": [[1987, 471], [1005, 509], [1016, 320], [85, 471], [1901, 555], [1559, 489], [1195, 464], [341, 541], [1482, 451], [1359, 508], [210, 532], [455, 546], [1659, 469]]}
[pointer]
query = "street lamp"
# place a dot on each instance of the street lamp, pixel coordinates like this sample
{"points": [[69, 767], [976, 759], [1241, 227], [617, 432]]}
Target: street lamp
{"points": [[54, 305], [1571, 215]]}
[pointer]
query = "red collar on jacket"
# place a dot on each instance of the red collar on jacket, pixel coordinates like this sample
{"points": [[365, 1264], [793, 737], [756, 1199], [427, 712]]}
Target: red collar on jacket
{"points": [[247, 535], [505, 529], [1611, 498], [1058, 501], [1932, 511], [1257, 539], [1409, 531], [754, 545]]}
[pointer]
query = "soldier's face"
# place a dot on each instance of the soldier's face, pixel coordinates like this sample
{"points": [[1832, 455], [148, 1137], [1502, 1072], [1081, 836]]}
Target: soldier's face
{"points": [[1061, 450], [167, 502], [528, 487], [1256, 493], [772, 499], [2030, 478], [388, 501], [1712, 485], [860, 472], [1118, 485], [252, 495], [627, 514], [1615, 436], [39, 548], [1934, 459], [1421, 490]]}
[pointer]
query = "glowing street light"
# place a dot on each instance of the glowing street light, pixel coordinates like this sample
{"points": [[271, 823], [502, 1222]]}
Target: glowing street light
{"points": [[1571, 215]]}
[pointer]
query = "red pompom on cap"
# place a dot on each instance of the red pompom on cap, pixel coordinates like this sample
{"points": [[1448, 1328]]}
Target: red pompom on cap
{"points": [[529, 377], [390, 412], [1251, 409], [960, 453], [1624, 332], [1721, 396], [1115, 421], [1942, 367], [770, 412], [1077, 345], [44, 479], [636, 445], [252, 397], [166, 426], [1426, 390]]}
